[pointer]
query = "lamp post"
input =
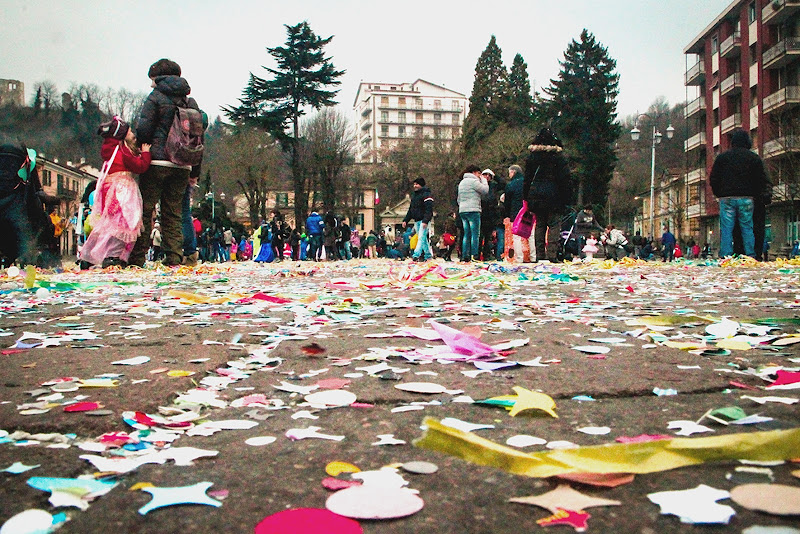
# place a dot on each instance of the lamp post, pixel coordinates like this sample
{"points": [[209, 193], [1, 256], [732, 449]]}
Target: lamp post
{"points": [[635, 134]]}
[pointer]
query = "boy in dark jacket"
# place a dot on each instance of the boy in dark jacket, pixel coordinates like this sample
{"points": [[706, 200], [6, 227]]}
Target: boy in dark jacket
{"points": [[421, 211], [164, 181]]}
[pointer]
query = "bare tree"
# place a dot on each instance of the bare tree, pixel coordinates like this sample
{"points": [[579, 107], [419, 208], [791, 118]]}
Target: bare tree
{"points": [[328, 142], [47, 92], [246, 160]]}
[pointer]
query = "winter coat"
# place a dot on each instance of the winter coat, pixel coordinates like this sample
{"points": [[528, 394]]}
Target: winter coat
{"points": [[157, 114], [314, 224], [470, 191], [124, 160], [490, 204], [547, 179], [738, 172], [421, 207], [514, 196], [585, 223]]}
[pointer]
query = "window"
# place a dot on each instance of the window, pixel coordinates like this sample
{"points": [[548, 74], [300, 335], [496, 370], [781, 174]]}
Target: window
{"points": [[401, 102], [455, 106], [437, 104], [360, 199], [401, 116], [418, 103], [401, 131], [754, 96], [282, 200], [714, 44], [456, 118], [74, 185], [385, 100], [419, 118], [418, 131], [359, 221], [753, 54], [384, 131], [60, 181], [437, 132], [437, 118], [384, 116], [47, 178], [751, 12]]}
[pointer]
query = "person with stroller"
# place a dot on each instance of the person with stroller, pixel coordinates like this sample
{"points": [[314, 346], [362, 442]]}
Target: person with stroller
{"points": [[547, 185]]}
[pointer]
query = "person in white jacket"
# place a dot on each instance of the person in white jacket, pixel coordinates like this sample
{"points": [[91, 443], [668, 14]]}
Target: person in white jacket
{"points": [[471, 189]]}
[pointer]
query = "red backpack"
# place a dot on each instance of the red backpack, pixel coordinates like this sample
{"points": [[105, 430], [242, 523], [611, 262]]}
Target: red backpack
{"points": [[185, 139]]}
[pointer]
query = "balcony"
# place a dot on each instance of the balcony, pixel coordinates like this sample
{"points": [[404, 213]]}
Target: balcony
{"points": [[782, 53], [783, 99], [777, 11], [696, 141], [695, 106], [366, 111], [732, 46], [696, 75], [695, 175], [424, 122], [732, 84], [731, 123], [366, 124], [65, 193], [782, 146], [694, 210], [420, 107]]}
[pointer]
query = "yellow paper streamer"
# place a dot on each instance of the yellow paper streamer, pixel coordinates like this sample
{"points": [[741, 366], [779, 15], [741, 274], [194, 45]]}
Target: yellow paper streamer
{"points": [[196, 298], [636, 458]]}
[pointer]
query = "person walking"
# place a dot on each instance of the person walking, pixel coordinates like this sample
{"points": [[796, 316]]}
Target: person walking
{"points": [[737, 178], [547, 186], [471, 189], [314, 226], [164, 182], [421, 212], [668, 243]]}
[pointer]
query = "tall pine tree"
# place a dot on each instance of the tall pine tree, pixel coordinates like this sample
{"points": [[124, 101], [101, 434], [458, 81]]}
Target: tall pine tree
{"points": [[488, 102], [300, 81], [520, 110], [583, 111]]}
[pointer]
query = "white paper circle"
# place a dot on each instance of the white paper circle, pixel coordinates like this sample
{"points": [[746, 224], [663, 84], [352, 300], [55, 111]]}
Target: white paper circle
{"points": [[370, 502], [331, 398], [28, 522], [558, 445], [231, 424], [421, 387], [42, 292], [595, 430], [13, 271], [260, 440], [523, 440], [593, 349]]}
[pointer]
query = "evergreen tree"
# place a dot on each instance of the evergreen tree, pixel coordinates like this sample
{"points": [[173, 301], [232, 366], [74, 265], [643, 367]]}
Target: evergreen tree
{"points": [[520, 110], [583, 110], [488, 103], [300, 81]]}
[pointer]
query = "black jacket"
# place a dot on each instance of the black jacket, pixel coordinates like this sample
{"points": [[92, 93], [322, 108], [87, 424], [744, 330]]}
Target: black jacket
{"points": [[738, 172], [547, 180], [421, 207], [158, 111]]}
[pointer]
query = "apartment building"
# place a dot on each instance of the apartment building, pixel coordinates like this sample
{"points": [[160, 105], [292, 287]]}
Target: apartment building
{"points": [[388, 113], [743, 71]]}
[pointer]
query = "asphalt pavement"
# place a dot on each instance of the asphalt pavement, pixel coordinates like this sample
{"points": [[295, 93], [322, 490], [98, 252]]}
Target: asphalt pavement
{"points": [[206, 374]]}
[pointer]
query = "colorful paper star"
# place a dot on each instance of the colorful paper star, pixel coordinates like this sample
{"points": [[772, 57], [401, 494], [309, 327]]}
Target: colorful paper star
{"points": [[576, 520], [194, 494], [564, 498]]}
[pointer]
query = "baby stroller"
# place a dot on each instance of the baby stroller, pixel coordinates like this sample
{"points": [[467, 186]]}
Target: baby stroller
{"points": [[25, 228], [569, 245]]}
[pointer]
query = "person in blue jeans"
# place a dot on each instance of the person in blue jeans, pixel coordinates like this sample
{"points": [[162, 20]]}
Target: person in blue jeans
{"points": [[471, 189], [314, 225], [190, 254], [737, 177], [668, 243], [421, 212]]}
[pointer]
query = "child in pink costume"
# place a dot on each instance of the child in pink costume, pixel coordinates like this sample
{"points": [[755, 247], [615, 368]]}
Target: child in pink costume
{"points": [[117, 215]]}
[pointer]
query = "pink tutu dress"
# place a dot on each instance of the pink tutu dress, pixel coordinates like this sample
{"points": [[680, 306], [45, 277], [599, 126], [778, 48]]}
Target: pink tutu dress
{"points": [[116, 217]]}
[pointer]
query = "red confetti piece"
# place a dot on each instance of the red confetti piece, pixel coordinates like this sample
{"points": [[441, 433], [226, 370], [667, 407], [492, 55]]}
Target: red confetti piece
{"points": [[81, 407], [576, 520], [313, 349], [335, 484]]}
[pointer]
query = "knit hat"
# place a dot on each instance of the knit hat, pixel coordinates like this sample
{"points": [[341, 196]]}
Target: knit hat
{"points": [[116, 128], [420, 181], [488, 171]]}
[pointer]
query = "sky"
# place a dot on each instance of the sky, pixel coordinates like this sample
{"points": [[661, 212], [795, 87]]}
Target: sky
{"points": [[218, 44]]}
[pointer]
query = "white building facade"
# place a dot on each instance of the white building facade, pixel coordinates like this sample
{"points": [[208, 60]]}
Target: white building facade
{"points": [[387, 113]]}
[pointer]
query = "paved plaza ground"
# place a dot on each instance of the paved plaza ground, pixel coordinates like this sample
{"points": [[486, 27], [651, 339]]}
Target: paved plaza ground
{"points": [[140, 379]]}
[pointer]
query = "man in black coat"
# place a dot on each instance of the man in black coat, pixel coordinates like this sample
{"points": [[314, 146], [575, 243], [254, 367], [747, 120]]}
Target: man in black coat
{"points": [[421, 212], [164, 182], [737, 177]]}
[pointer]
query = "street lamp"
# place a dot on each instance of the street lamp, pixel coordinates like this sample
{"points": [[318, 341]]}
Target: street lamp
{"points": [[635, 134], [210, 196]]}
